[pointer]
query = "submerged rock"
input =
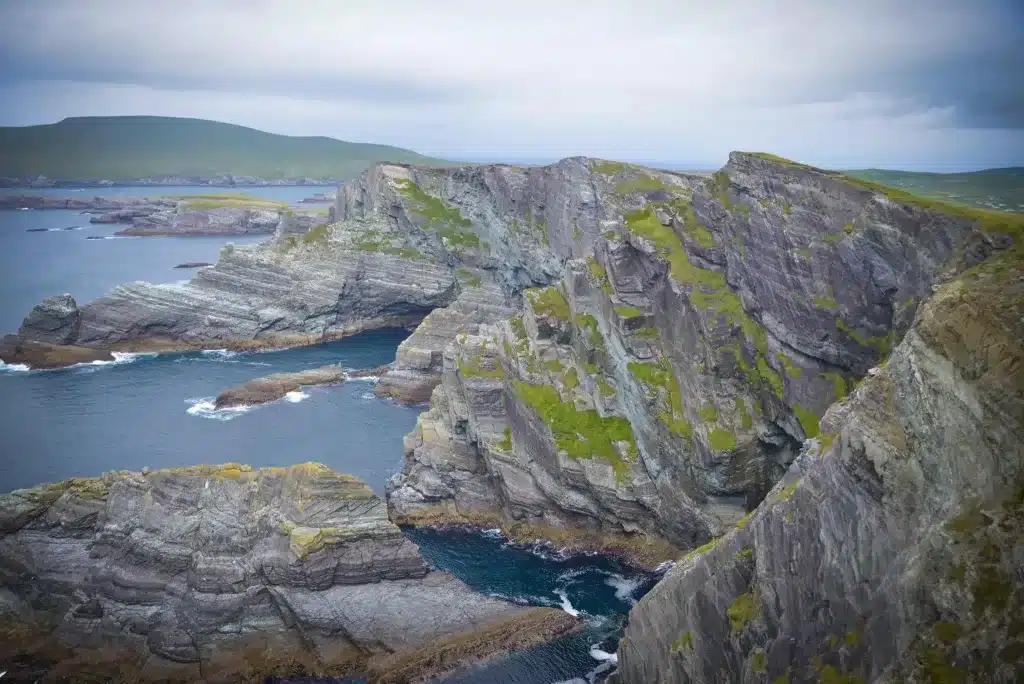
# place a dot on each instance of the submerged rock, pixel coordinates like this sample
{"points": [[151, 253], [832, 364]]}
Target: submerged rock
{"points": [[273, 387], [227, 574], [43, 355]]}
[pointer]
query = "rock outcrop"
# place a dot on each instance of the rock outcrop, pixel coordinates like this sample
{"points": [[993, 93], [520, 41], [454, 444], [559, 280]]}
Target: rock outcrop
{"points": [[54, 320], [98, 204], [701, 329], [892, 549], [228, 574], [218, 221], [679, 338], [273, 387]]}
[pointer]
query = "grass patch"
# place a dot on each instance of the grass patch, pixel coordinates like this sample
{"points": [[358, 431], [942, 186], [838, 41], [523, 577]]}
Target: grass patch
{"points": [[838, 384], [709, 414], [473, 369], [628, 312], [809, 421], [608, 168], [661, 377], [554, 366], [372, 241], [683, 642], [746, 421], [506, 443], [742, 611], [832, 238], [704, 548], [317, 235], [721, 440], [826, 303], [571, 379], [720, 188], [605, 388], [647, 333], [549, 301], [238, 200], [468, 277], [644, 183], [435, 210], [588, 322], [581, 434], [770, 376], [788, 367]]}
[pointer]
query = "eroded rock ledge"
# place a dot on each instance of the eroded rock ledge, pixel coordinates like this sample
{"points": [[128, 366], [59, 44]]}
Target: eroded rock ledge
{"points": [[227, 574]]}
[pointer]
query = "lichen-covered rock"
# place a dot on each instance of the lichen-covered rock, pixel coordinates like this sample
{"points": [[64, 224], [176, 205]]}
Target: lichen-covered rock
{"points": [[54, 321], [216, 221], [892, 549], [701, 328], [220, 574]]}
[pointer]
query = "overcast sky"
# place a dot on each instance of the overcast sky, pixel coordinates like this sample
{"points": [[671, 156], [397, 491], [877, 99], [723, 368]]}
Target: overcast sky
{"points": [[926, 84]]}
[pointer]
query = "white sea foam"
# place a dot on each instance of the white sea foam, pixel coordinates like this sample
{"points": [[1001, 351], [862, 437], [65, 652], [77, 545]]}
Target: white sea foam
{"points": [[565, 604], [624, 587], [13, 367], [204, 407], [493, 533], [368, 378], [219, 353], [598, 654], [367, 396], [296, 396]]}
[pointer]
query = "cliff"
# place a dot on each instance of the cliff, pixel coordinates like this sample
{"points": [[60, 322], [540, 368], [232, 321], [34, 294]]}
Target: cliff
{"points": [[227, 574], [891, 551], [700, 329]]}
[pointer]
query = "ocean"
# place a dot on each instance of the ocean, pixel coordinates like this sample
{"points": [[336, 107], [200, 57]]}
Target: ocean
{"points": [[156, 411]]}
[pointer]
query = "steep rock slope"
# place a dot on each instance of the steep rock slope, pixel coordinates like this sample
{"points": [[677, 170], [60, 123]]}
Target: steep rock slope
{"points": [[892, 550], [224, 574], [700, 330]]}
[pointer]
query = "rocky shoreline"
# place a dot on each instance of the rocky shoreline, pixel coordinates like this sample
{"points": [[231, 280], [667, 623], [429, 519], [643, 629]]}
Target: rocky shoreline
{"points": [[276, 386], [765, 366], [225, 181], [226, 574], [149, 216]]}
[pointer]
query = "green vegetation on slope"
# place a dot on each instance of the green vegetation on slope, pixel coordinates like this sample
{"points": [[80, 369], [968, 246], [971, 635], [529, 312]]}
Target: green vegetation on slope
{"points": [[1001, 189], [228, 199], [581, 434], [128, 147]]}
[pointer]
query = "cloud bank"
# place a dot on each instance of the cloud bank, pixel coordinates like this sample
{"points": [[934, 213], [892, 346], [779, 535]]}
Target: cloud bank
{"points": [[899, 83]]}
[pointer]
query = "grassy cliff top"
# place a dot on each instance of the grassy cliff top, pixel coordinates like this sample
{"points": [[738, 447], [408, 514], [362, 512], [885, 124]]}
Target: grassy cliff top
{"points": [[128, 147]]}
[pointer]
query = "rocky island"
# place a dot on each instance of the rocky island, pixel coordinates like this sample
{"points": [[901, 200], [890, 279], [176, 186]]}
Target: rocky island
{"points": [[808, 381], [229, 574]]}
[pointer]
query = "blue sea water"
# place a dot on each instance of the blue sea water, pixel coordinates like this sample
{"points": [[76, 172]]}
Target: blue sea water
{"points": [[156, 411], [282, 193]]}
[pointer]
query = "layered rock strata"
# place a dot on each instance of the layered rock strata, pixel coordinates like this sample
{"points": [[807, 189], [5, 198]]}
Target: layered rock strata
{"points": [[891, 551], [227, 574]]}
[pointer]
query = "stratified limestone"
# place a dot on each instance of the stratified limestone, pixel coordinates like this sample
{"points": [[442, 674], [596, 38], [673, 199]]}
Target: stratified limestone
{"points": [[717, 317], [891, 550], [419, 360], [218, 221], [273, 387], [220, 574]]}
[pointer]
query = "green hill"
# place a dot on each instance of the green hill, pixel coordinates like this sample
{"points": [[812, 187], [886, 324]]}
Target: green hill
{"points": [[989, 189], [127, 147]]}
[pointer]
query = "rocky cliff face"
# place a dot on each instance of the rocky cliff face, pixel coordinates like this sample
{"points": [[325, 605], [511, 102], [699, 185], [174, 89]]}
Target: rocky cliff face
{"points": [[224, 573], [892, 550], [700, 329]]}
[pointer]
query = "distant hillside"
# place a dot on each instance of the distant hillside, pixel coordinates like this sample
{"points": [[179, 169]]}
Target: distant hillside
{"points": [[989, 189], [127, 147]]}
